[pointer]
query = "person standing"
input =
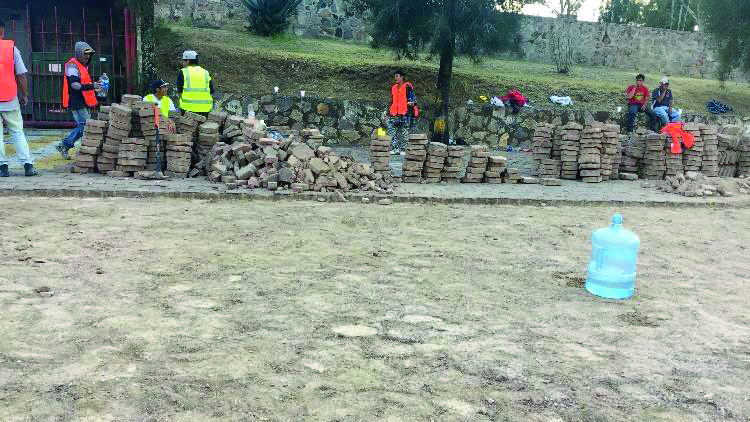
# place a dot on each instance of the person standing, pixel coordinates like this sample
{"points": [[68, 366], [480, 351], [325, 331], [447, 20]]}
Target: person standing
{"points": [[78, 94], [637, 96], [402, 112], [195, 86], [663, 102], [166, 106], [12, 83]]}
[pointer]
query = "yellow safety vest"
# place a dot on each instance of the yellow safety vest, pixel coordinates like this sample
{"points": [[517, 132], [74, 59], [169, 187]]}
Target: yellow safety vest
{"points": [[196, 91], [163, 104]]}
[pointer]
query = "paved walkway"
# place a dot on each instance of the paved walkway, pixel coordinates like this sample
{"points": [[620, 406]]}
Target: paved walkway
{"points": [[570, 193], [34, 135]]}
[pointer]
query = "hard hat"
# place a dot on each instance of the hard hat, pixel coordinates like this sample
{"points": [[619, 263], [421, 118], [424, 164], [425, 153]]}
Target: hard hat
{"points": [[189, 55]]}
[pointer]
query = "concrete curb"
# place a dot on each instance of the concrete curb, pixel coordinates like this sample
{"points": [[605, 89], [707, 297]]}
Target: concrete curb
{"points": [[354, 198]]}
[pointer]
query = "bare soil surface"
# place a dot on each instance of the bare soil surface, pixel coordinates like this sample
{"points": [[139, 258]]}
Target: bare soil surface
{"points": [[175, 310]]}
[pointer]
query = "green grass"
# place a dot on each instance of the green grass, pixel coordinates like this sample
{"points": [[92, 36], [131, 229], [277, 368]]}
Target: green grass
{"points": [[243, 63]]}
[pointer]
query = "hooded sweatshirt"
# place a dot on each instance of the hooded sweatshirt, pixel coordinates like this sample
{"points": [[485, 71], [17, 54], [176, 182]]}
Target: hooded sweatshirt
{"points": [[72, 76]]}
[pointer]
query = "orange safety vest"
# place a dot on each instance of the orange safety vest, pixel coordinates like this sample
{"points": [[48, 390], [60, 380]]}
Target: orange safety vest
{"points": [[400, 102], [8, 87], [88, 96], [676, 131]]}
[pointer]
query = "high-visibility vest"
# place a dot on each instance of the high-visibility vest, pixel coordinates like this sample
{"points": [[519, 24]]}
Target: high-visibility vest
{"points": [[88, 96], [163, 104], [196, 90], [400, 102], [8, 87]]}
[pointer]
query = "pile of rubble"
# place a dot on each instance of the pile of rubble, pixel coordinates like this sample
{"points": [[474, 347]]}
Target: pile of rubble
{"points": [[292, 164], [694, 184]]}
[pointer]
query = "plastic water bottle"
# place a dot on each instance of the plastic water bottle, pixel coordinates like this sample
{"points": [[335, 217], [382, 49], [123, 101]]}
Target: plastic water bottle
{"points": [[614, 256], [102, 92]]}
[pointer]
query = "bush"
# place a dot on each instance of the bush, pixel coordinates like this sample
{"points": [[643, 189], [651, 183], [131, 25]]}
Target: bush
{"points": [[269, 17]]}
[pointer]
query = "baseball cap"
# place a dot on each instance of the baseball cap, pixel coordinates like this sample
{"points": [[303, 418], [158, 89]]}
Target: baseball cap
{"points": [[189, 55], [158, 84], [665, 80]]}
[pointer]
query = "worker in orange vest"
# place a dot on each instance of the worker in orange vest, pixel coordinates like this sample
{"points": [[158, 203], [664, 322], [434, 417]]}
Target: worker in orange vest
{"points": [[78, 94], [12, 83], [402, 112]]}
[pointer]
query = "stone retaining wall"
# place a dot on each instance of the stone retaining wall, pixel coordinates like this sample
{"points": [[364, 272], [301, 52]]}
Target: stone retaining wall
{"points": [[647, 50], [352, 122]]}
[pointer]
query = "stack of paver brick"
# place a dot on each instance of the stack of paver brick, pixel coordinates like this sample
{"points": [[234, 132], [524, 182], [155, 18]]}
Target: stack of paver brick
{"points": [[513, 175], [208, 136], [132, 157], [569, 148], [103, 113], [435, 162], [477, 166], [654, 157], [541, 143], [672, 162], [744, 162], [729, 153], [147, 119], [631, 155], [557, 142], [710, 158], [314, 139], [218, 117], [91, 146], [551, 168], [179, 148], [416, 155], [454, 164], [496, 167], [188, 123], [589, 156], [120, 119], [692, 158], [380, 155], [609, 151], [129, 100]]}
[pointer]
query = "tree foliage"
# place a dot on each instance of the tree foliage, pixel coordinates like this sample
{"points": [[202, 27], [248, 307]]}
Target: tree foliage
{"points": [[443, 28], [268, 17], [564, 7], [727, 21], [681, 15]]}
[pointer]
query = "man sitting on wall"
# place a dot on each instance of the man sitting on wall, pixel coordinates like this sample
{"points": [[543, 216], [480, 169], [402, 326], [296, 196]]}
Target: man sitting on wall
{"points": [[637, 96], [663, 102]]}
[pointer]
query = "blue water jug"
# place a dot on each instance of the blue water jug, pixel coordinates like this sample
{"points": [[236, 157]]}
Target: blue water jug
{"points": [[614, 255]]}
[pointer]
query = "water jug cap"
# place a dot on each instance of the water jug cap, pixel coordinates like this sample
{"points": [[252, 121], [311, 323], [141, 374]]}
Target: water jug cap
{"points": [[617, 219]]}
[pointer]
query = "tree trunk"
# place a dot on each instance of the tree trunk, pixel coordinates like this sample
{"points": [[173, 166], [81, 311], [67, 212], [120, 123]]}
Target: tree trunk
{"points": [[445, 74]]}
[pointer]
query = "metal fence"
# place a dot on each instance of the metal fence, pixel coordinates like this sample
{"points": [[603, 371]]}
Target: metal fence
{"points": [[46, 39]]}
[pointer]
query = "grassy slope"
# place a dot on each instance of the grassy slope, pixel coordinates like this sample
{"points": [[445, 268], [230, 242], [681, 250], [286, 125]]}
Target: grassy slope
{"points": [[244, 63]]}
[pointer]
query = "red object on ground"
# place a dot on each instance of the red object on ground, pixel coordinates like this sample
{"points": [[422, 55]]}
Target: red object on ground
{"points": [[515, 95], [676, 131]]}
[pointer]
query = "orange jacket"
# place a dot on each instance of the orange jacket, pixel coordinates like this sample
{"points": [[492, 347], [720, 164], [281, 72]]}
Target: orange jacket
{"points": [[88, 96], [400, 100], [676, 131], [8, 88]]}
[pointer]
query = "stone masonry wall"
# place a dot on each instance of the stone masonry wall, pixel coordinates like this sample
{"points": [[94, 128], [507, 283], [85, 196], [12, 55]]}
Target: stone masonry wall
{"points": [[352, 122], [640, 49], [315, 18]]}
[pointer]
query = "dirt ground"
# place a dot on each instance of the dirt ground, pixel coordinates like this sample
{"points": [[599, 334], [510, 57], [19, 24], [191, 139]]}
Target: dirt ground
{"points": [[172, 310]]}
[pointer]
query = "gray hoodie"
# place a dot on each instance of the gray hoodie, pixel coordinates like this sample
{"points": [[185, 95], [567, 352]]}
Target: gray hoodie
{"points": [[73, 78]]}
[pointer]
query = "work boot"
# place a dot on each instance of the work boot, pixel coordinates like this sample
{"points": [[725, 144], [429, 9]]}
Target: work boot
{"points": [[63, 150], [4, 171], [29, 170]]}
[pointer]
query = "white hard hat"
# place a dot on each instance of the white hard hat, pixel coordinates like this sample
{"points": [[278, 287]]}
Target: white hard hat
{"points": [[665, 80], [189, 55]]}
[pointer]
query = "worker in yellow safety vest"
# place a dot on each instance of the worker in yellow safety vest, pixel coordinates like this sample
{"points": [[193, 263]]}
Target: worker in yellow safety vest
{"points": [[194, 86], [166, 106]]}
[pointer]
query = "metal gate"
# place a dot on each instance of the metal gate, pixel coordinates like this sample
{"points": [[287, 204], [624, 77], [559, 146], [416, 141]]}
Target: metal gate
{"points": [[47, 37]]}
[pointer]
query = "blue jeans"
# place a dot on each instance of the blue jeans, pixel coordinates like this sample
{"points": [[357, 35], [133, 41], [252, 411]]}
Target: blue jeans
{"points": [[633, 110], [80, 116], [662, 112]]}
